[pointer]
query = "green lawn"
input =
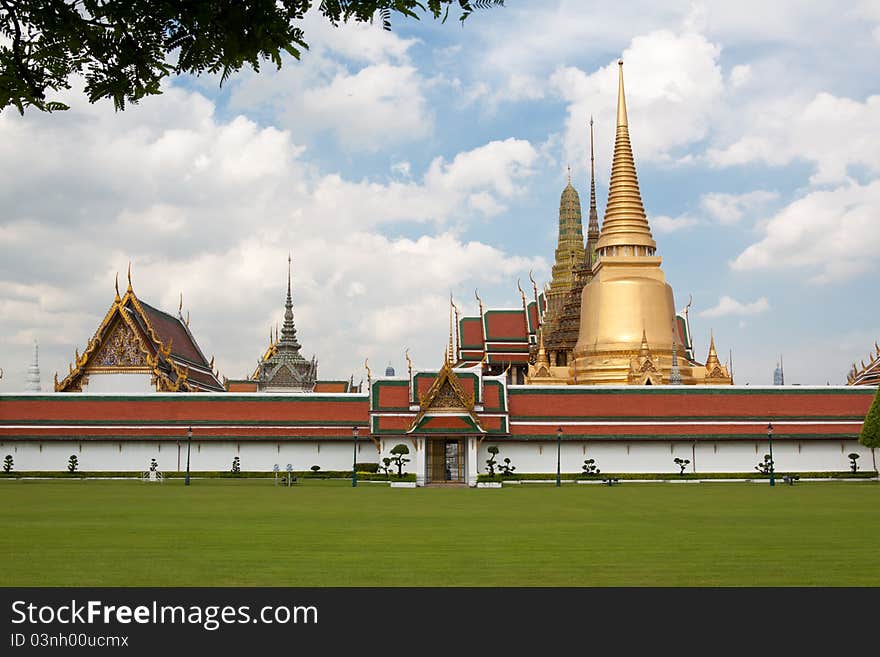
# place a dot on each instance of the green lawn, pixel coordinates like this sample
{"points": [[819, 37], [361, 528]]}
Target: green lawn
{"points": [[324, 533]]}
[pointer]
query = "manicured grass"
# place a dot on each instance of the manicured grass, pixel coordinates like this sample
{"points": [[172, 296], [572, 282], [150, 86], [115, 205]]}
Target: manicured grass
{"points": [[324, 533]]}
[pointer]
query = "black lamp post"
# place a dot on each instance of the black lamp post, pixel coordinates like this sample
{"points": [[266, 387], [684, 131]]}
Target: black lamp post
{"points": [[770, 440], [354, 467], [189, 437], [558, 461]]}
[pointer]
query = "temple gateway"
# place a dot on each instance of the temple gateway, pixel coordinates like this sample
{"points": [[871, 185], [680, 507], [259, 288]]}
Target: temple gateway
{"points": [[598, 365]]}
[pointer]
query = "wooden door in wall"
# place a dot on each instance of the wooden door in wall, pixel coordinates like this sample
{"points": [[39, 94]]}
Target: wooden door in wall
{"points": [[445, 460]]}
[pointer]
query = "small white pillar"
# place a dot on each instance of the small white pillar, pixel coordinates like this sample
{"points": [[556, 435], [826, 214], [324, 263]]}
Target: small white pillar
{"points": [[473, 465], [419, 461]]}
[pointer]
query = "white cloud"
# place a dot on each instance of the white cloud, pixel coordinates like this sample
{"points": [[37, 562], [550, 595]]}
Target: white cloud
{"points": [[833, 133], [730, 306], [730, 208], [378, 105], [666, 224], [356, 81], [832, 233], [211, 208], [673, 81], [740, 75]]}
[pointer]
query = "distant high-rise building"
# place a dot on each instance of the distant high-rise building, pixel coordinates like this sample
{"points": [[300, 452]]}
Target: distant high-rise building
{"points": [[779, 374]]}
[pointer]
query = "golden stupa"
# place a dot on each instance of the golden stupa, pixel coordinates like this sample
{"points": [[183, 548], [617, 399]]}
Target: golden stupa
{"points": [[627, 309]]}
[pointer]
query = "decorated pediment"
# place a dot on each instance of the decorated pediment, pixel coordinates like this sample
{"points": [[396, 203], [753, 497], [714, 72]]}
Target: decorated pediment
{"points": [[447, 400], [120, 349]]}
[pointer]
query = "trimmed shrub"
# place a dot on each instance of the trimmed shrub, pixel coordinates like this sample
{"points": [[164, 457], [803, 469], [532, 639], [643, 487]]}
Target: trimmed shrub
{"points": [[399, 457], [681, 463], [491, 461], [7, 463], [72, 463], [367, 467], [236, 465]]}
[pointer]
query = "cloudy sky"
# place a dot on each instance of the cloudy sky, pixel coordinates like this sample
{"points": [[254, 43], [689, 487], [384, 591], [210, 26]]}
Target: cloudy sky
{"points": [[399, 166]]}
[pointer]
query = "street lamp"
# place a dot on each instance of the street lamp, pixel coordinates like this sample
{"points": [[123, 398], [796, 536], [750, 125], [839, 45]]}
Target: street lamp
{"points": [[189, 437], [558, 462], [770, 440], [354, 467]]}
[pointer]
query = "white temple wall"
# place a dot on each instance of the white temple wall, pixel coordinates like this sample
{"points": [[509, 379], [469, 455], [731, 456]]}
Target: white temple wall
{"points": [[128, 456], [132, 382], [532, 456]]}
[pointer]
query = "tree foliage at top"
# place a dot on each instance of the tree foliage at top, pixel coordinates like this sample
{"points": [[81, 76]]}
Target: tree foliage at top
{"points": [[125, 48]]}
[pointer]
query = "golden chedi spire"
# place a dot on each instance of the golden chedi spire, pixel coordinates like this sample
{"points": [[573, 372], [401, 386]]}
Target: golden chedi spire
{"points": [[626, 224], [627, 306]]}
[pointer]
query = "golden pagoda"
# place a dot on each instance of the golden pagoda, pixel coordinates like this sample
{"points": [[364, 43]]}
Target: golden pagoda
{"points": [[627, 307], [569, 254]]}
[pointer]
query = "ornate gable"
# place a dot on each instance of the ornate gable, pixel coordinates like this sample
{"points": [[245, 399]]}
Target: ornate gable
{"points": [[122, 349], [127, 340], [446, 398]]}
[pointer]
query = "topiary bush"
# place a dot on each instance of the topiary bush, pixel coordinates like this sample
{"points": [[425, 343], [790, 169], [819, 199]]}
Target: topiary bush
{"points": [[315, 468], [399, 457], [367, 467], [236, 465], [589, 467], [764, 466], [853, 458], [7, 463], [491, 461], [506, 468], [72, 463], [681, 463]]}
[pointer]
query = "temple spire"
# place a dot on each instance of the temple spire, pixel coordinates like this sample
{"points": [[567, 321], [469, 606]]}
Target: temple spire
{"points": [[675, 371], [32, 383], [626, 224], [450, 353], [712, 360], [593, 227], [288, 330]]}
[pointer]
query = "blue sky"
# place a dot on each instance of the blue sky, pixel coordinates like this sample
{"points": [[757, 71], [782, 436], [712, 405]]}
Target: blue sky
{"points": [[399, 166]]}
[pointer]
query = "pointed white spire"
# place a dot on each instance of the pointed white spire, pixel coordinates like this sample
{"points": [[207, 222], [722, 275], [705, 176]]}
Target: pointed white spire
{"points": [[32, 382]]}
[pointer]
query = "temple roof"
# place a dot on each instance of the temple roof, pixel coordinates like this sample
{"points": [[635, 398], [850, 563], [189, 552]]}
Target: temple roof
{"points": [[137, 337], [867, 374]]}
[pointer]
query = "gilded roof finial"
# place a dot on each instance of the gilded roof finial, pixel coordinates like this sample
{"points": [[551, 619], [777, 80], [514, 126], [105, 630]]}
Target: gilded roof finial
{"points": [[542, 352], [644, 350], [180, 306], [117, 288], [369, 374], [712, 361], [408, 362], [479, 301], [129, 277], [569, 174]]}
